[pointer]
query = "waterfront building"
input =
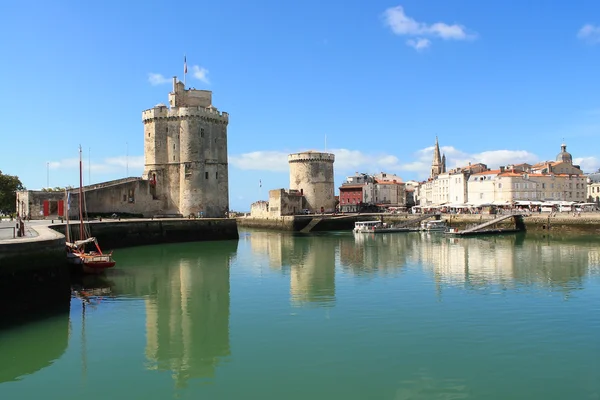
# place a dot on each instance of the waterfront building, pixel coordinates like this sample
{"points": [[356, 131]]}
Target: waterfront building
{"points": [[449, 187], [352, 192], [593, 187], [379, 190]]}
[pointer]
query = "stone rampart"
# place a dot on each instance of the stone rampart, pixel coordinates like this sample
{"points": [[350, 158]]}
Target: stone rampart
{"points": [[34, 277], [126, 233]]}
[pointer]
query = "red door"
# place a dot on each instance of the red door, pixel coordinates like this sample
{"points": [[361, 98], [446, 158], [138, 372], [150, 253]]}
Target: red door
{"points": [[61, 208], [46, 208]]}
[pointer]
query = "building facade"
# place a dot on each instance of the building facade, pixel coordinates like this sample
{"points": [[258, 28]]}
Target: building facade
{"points": [[185, 154], [593, 187]]}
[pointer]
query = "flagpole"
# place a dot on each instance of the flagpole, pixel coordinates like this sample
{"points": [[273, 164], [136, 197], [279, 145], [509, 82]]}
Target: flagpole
{"points": [[184, 70]]}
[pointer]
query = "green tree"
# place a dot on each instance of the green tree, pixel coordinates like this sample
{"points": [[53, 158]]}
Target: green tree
{"points": [[9, 185]]}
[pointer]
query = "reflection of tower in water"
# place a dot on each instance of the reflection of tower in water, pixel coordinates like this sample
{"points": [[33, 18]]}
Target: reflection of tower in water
{"points": [[187, 318], [312, 276]]}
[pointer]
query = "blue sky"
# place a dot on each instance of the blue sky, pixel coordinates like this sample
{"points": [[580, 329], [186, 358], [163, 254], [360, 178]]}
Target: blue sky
{"points": [[498, 82]]}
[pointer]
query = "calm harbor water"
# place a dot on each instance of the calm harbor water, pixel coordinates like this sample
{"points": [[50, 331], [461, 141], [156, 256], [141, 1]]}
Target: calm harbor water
{"points": [[328, 316]]}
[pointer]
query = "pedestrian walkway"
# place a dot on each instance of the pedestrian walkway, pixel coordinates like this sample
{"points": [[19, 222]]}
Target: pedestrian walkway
{"points": [[8, 230]]}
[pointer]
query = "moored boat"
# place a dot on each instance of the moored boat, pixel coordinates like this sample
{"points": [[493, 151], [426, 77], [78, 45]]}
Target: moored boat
{"points": [[434, 226], [91, 262], [377, 227]]}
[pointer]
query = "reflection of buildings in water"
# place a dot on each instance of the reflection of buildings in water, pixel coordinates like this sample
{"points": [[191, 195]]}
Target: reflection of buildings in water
{"points": [[594, 261], [366, 253], [460, 261], [187, 315], [552, 264], [505, 260], [312, 275], [277, 246], [310, 260]]}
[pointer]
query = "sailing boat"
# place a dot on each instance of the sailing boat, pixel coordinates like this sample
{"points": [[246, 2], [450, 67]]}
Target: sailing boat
{"points": [[92, 262]]}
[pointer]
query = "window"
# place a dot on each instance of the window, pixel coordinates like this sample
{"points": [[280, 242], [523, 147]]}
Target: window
{"points": [[124, 197], [148, 134], [216, 175], [481, 195], [206, 175], [201, 132], [499, 186]]}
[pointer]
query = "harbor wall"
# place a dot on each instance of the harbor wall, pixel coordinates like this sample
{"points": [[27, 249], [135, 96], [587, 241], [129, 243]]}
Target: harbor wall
{"points": [[586, 223], [34, 277], [128, 233]]}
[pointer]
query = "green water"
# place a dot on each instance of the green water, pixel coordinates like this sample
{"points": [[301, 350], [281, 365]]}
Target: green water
{"points": [[331, 316]]}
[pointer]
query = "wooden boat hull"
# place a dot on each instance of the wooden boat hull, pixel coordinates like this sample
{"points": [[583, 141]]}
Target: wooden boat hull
{"points": [[97, 267]]}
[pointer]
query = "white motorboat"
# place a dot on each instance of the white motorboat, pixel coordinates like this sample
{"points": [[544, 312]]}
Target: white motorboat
{"points": [[377, 227], [434, 226]]}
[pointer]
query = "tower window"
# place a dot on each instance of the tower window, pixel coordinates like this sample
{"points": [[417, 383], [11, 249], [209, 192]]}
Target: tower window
{"points": [[173, 146], [216, 175], [206, 175], [201, 132], [148, 134], [167, 129]]}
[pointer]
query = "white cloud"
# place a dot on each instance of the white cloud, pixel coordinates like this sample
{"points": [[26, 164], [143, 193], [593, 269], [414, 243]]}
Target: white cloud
{"points": [[157, 79], [587, 164], [589, 33], [200, 73], [276, 161], [403, 25], [419, 43]]}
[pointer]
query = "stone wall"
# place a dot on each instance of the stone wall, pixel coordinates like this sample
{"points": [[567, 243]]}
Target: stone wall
{"points": [[131, 197], [34, 276], [282, 202], [259, 209], [30, 203], [126, 233]]}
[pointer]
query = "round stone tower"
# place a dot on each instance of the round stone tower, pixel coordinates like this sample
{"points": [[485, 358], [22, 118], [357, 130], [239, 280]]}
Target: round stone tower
{"points": [[312, 174]]}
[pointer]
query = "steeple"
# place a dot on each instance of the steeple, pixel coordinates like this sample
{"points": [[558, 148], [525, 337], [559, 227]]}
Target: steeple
{"points": [[437, 159], [438, 165]]}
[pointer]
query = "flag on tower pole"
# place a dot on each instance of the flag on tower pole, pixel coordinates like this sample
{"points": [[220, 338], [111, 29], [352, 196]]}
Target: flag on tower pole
{"points": [[184, 69], [260, 183]]}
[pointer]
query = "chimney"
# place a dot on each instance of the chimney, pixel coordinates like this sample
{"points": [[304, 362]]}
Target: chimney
{"points": [[501, 168]]}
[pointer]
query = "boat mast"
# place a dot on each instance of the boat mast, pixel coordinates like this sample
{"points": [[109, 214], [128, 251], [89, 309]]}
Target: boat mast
{"points": [[66, 208], [81, 236]]}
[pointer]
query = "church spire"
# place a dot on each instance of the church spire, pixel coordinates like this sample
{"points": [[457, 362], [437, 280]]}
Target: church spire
{"points": [[438, 165]]}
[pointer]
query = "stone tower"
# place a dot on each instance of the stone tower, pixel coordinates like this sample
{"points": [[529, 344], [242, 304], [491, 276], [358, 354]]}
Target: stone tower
{"points": [[438, 165], [185, 153], [312, 174]]}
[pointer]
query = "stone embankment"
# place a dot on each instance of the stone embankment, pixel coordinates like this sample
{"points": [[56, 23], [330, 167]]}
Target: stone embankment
{"points": [[585, 222], [113, 234]]}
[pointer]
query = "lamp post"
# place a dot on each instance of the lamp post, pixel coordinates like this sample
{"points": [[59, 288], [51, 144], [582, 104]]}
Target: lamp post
{"points": [[48, 175]]}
